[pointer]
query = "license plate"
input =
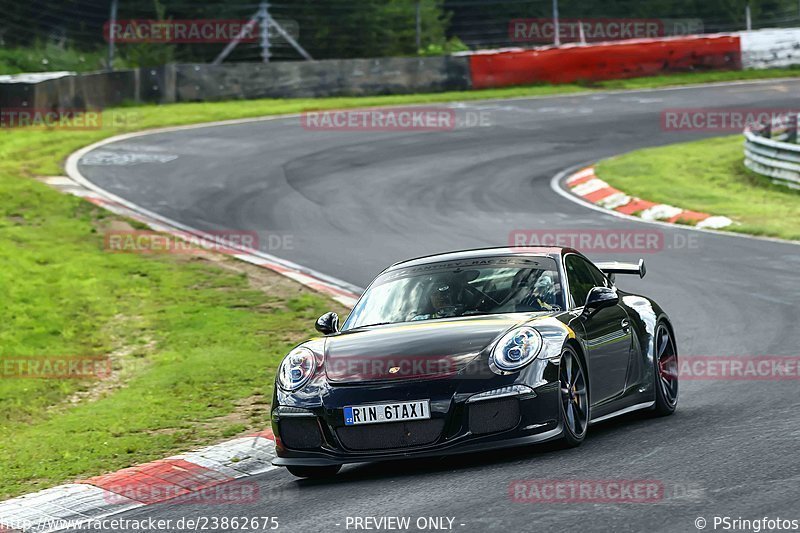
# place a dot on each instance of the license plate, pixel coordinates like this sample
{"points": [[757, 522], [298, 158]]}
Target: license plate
{"points": [[387, 412]]}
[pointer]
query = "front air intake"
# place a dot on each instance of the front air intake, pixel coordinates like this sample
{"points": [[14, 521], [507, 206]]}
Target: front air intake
{"points": [[300, 433], [391, 436], [491, 416]]}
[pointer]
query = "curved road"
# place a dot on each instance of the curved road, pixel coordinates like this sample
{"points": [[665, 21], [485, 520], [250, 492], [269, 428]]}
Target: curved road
{"points": [[354, 202]]}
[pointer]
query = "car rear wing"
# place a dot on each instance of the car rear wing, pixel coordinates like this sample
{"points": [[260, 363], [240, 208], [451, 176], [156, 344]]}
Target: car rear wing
{"points": [[615, 267]]}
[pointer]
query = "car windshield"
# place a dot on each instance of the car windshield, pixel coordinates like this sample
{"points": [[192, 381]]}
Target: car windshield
{"points": [[463, 288]]}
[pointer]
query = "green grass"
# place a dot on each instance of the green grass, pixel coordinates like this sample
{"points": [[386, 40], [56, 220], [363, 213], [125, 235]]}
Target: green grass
{"points": [[49, 58], [654, 82], [194, 346], [708, 176]]}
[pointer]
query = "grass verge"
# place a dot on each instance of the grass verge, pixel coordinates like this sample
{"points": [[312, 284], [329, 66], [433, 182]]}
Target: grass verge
{"points": [[193, 341], [708, 176]]}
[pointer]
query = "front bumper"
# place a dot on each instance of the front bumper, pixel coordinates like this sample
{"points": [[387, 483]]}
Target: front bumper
{"points": [[315, 435]]}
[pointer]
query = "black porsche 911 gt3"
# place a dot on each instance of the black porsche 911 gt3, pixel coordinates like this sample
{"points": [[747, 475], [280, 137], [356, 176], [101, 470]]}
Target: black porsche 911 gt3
{"points": [[469, 351]]}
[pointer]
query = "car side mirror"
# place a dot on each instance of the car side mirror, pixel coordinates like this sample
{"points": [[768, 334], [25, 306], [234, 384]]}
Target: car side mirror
{"points": [[328, 323], [600, 298]]}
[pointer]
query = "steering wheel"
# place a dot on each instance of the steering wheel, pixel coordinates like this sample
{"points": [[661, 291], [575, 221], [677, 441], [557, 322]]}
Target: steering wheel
{"points": [[483, 295]]}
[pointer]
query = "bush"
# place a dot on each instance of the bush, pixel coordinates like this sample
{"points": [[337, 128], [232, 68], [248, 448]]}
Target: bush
{"points": [[445, 48]]}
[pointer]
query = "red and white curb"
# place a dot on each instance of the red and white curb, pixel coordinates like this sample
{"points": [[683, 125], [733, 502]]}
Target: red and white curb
{"points": [[592, 189], [207, 475], [335, 289]]}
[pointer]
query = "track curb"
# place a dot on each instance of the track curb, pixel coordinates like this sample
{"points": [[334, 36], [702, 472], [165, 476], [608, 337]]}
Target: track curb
{"points": [[586, 185], [193, 476], [558, 186]]}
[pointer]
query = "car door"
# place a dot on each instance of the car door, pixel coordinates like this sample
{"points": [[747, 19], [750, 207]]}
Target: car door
{"points": [[607, 332]]}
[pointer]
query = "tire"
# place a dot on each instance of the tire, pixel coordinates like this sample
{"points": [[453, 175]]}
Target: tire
{"points": [[314, 472], [574, 398], [665, 359]]}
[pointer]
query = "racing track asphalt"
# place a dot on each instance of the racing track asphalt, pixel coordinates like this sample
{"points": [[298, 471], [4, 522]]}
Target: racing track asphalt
{"points": [[354, 202]]}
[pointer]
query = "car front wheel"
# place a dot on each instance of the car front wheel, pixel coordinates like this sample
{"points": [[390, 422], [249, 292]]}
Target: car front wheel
{"points": [[574, 398]]}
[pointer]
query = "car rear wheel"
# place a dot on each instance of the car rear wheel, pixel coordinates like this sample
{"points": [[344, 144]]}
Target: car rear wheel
{"points": [[574, 398], [666, 363], [314, 471]]}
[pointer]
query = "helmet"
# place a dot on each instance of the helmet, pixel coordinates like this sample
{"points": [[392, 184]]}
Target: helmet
{"points": [[442, 296]]}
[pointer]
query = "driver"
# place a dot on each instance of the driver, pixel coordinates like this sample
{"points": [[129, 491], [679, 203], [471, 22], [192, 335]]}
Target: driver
{"points": [[442, 297], [444, 300]]}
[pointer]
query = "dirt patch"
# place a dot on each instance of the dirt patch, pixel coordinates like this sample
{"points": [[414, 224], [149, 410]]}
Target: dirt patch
{"points": [[271, 283], [279, 288], [17, 220], [252, 413], [126, 360]]}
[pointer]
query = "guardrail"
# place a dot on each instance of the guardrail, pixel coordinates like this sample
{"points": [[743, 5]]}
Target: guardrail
{"points": [[773, 150]]}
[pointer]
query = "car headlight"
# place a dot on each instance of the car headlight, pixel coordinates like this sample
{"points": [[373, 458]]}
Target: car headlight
{"points": [[516, 349], [296, 369]]}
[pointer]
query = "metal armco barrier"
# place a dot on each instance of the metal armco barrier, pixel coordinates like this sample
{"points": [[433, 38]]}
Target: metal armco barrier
{"points": [[772, 150]]}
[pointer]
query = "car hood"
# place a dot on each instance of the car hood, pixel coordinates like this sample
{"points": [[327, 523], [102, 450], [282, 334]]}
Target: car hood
{"points": [[412, 350]]}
